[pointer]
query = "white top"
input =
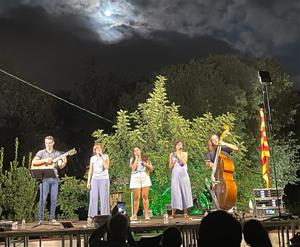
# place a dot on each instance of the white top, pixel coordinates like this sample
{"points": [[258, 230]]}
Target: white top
{"points": [[140, 167], [99, 172]]}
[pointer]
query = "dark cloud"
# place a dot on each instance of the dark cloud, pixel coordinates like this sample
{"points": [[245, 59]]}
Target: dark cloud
{"points": [[262, 28], [255, 26]]}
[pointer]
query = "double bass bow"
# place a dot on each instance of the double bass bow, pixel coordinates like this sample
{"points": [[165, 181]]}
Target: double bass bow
{"points": [[223, 184]]}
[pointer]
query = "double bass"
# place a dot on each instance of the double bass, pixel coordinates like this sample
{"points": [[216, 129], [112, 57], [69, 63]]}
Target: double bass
{"points": [[223, 184]]}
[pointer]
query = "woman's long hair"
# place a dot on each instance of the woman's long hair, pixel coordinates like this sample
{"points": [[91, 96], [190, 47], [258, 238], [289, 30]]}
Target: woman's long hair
{"points": [[144, 158], [178, 141], [210, 145]]}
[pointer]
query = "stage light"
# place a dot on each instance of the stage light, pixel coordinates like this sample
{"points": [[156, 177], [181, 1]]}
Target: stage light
{"points": [[264, 77]]}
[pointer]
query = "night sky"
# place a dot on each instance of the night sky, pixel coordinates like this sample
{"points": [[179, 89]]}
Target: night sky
{"points": [[49, 42]]}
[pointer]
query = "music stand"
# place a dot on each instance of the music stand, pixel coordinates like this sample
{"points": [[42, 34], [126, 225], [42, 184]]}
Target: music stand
{"points": [[43, 173], [40, 174]]}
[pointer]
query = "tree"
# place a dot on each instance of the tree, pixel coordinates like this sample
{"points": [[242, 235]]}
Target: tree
{"points": [[285, 159], [155, 126], [225, 83], [24, 112]]}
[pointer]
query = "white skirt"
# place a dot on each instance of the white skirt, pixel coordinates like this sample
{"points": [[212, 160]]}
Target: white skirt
{"points": [[139, 180]]}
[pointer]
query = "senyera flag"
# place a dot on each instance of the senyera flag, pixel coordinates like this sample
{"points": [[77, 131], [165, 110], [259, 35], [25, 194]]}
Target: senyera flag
{"points": [[265, 154]]}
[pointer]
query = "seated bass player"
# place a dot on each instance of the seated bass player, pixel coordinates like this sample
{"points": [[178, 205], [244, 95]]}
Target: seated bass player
{"points": [[213, 143], [223, 189]]}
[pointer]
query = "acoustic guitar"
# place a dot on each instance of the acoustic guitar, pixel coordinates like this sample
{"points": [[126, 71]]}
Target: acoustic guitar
{"points": [[54, 164]]}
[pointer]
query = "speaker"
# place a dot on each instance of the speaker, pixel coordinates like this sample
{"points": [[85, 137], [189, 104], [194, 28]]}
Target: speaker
{"points": [[67, 224]]}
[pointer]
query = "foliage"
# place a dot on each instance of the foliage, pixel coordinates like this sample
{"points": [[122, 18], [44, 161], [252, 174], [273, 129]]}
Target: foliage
{"points": [[230, 84], [285, 159], [23, 110], [155, 126], [18, 190], [73, 195], [226, 83], [292, 198], [98, 89], [219, 84]]}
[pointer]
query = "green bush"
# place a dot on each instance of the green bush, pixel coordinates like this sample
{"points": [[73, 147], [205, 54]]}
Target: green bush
{"points": [[73, 195], [19, 191]]}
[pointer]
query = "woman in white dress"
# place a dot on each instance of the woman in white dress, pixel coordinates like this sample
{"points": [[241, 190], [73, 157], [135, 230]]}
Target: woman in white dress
{"points": [[181, 192]]}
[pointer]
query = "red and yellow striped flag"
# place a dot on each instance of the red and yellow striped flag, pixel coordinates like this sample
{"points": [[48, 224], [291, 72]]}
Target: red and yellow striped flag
{"points": [[265, 154]]}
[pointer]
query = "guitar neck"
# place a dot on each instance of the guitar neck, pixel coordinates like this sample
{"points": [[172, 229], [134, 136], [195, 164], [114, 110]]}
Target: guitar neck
{"points": [[60, 157]]}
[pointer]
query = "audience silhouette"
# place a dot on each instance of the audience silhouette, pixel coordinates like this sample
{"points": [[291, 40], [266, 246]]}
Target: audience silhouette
{"points": [[117, 230], [219, 229], [255, 234], [171, 237], [150, 241]]}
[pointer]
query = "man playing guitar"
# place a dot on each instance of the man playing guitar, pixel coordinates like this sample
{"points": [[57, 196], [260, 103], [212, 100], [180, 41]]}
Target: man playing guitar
{"points": [[47, 158]]}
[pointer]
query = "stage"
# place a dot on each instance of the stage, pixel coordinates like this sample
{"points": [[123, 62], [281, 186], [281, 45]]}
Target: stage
{"points": [[52, 235]]}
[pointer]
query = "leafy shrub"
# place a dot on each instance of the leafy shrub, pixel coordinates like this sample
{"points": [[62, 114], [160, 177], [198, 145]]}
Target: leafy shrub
{"points": [[19, 191], [73, 195]]}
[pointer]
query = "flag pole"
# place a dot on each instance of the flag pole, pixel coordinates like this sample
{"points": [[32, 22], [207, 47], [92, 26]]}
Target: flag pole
{"points": [[265, 81], [265, 154]]}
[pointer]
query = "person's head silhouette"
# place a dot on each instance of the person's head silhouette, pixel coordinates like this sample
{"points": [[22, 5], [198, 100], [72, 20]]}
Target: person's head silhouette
{"points": [[171, 237], [118, 228], [255, 234], [219, 229]]}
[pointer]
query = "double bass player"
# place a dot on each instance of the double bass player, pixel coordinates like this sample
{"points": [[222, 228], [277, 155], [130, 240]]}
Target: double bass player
{"points": [[224, 189]]}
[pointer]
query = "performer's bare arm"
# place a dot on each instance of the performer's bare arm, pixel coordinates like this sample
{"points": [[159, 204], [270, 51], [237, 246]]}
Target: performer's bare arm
{"points": [[209, 164], [184, 157], [231, 146], [105, 160], [148, 165], [37, 161], [62, 163], [133, 165], [89, 176], [171, 161]]}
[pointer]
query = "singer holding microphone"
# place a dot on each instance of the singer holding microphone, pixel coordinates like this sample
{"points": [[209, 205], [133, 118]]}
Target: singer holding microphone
{"points": [[140, 181], [181, 192], [98, 182]]}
